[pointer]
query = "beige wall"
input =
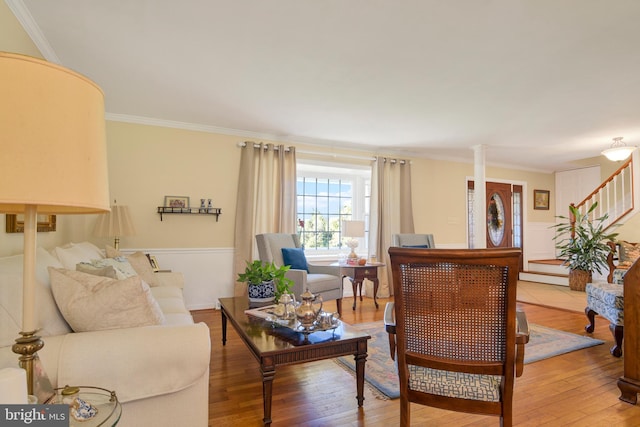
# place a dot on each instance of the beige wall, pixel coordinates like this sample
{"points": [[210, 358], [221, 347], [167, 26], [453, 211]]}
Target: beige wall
{"points": [[440, 197], [147, 163], [13, 38]]}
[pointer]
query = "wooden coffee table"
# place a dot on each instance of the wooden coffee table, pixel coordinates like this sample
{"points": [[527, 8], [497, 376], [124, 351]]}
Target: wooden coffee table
{"points": [[277, 346]]}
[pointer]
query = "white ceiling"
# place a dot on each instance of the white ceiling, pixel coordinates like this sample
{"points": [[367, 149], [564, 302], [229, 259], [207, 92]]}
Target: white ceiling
{"points": [[540, 82]]}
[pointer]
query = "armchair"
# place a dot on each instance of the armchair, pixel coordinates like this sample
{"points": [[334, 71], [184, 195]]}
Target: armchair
{"points": [[413, 240], [459, 340], [323, 280]]}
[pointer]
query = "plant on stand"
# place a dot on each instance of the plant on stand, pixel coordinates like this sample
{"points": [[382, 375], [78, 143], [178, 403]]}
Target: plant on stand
{"points": [[582, 243], [265, 281]]}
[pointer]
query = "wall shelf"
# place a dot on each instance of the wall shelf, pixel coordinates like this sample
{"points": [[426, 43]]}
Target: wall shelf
{"points": [[189, 211]]}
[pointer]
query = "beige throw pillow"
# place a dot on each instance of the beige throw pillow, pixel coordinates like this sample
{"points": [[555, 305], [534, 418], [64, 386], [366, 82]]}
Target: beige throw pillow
{"points": [[107, 271], [121, 265], [111, 252], [142, 266], [93, 303]]}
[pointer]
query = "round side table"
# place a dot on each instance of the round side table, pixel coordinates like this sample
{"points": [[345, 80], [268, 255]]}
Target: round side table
{"points": [[106, 401]]}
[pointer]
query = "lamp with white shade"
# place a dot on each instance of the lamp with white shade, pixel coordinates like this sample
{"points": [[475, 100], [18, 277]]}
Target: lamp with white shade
{"points": [[619, 150], [353, 230], [54, 155], [116, 224]]}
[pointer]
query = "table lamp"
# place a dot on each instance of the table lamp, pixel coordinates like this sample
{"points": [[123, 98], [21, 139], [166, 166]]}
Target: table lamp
{"points": [[116, 224], [54, 161], [353, 229]]}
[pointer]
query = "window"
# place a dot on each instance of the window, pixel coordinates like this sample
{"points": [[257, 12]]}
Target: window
{"points": [[327, 194]]}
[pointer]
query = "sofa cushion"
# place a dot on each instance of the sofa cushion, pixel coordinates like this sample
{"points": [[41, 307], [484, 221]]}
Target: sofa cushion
{"points": [[323, 282], [75, 253], [295, 258], [91, 303], [170, 300], [460, 385]]}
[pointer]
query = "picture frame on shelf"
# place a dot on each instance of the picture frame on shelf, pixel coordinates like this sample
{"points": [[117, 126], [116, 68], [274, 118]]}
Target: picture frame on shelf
{"points": [[177, 202], [541, 199]]}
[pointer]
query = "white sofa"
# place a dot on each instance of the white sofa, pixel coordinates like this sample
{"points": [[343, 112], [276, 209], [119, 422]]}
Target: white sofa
{"points": [[160, 373]]}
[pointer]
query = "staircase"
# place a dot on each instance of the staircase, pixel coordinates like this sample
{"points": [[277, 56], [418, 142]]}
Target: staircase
{"points": [[550, 271], [616, 197]]}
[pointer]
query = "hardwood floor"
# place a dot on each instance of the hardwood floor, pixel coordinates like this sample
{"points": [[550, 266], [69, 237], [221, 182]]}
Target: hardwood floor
{"points": [[577, 388]]}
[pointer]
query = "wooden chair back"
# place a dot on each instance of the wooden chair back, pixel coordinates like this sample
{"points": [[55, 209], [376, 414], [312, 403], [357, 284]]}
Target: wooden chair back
{"points": [[455, 311]]}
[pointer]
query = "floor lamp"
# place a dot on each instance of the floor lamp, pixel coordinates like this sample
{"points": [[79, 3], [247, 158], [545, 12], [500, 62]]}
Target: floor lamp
{"points": [[54, 161]]}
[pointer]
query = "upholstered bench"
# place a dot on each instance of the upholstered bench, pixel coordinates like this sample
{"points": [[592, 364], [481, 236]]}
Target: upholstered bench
{"points": [[606, 299]]}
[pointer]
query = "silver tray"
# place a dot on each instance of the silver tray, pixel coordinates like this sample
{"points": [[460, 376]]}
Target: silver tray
{"points": [[295, 325]]}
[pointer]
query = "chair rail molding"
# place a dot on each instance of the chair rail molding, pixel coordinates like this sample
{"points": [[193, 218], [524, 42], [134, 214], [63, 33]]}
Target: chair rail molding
{"points": [[208, 272]]}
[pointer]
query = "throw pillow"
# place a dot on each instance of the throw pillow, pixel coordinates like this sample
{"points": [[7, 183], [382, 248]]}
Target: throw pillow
{"points": [[142, 266], [121, 265], [295, 258], [93, 303], [107, 271], [76, 253], [629, 253], [111, 252]]}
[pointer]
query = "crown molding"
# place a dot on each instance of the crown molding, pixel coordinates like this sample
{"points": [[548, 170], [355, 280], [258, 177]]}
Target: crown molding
{"points": [[23, 16]]}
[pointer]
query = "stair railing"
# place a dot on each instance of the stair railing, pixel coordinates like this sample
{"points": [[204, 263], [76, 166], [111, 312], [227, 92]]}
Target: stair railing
{"points": [[614, 196]]}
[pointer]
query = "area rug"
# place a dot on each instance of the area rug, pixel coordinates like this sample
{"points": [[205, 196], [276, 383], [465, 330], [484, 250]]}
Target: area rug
{"points": [[381, 373]]}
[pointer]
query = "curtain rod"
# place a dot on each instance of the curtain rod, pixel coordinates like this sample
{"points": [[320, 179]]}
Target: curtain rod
{"points": [[325, 154]]}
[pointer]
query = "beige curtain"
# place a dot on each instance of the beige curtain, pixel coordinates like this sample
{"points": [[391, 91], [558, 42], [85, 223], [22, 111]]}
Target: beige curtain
{"points": [[391, 212], [266, 199]]}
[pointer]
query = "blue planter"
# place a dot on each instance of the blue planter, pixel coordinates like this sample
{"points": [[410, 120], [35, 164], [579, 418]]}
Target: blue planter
{"points": [[264, 292]]}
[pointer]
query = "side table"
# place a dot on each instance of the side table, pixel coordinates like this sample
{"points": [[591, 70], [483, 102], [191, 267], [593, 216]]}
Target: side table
{"points": [[106, 401], [357, 274]]}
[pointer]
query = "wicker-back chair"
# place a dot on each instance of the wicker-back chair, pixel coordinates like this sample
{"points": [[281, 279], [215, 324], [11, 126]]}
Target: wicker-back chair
{"points": [[454, 319]]}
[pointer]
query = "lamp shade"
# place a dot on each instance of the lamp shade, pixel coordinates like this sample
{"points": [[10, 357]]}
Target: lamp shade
{"points": [[353, 228], [116, 223], [52, 128]]}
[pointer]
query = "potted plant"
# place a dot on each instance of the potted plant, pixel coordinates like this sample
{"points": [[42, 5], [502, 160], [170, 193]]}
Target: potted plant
{"points": [[583, 245], [265, 281]]}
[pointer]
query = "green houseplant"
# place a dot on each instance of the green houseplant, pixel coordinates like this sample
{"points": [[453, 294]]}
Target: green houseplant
{"points": [[583, 245], [265, 281]]}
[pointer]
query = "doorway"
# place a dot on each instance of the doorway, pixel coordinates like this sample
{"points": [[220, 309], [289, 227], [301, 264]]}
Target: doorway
{"points": [[503, 207]]}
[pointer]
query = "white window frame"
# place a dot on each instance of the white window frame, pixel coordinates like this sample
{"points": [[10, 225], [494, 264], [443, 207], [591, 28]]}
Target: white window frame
{"points": [[360, 176]]}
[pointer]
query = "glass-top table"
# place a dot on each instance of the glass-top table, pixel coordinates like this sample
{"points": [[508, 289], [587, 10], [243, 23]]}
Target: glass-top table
{"points": [[275, 345], [105, 401]]}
